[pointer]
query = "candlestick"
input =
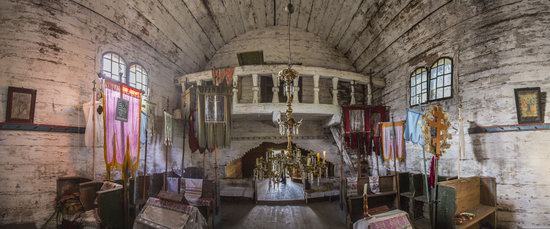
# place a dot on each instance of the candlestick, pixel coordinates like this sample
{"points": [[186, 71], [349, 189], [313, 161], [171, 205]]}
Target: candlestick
{"points": [[318, 157]]}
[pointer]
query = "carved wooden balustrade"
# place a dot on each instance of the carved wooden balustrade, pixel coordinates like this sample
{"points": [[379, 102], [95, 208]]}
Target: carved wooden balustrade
{"points": [[319, 90]]}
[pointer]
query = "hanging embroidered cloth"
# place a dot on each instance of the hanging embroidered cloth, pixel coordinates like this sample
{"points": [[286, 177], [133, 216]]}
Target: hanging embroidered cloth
{"points": [[223, 75], [122, 125], [89, 109], [413, 128], [214, 117], [390, 140], [193, 141], [167, 128]]}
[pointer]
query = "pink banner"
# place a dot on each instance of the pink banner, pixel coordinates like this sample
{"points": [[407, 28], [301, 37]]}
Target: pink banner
{"points": [[121, 134]]}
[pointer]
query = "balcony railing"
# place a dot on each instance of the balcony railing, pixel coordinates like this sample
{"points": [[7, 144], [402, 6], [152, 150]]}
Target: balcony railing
{"points": [[319, 89]]}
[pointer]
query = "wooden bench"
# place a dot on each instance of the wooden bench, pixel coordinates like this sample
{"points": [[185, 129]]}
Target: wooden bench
{"points": [[475, 195]]}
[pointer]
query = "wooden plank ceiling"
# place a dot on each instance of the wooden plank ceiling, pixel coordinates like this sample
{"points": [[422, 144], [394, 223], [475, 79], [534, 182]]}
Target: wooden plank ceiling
{"points": [[196, 29]]}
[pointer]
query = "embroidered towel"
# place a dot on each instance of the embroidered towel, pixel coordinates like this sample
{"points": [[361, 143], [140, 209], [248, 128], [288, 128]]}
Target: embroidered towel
{"points": [[392, 142], [193, 189], [413, 128]]}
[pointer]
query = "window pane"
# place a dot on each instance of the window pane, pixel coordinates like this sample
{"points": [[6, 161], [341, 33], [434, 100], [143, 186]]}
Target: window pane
{"points": [[447, 68], [413, 91], [424, 87], [432, 94], [424, 97], [424, 76], [447, 80], [413, 81], [439, 81], [447, 92], [418, 79], [432, 84], [418, 88], [433, 73], [440, 70], [439, 93]]}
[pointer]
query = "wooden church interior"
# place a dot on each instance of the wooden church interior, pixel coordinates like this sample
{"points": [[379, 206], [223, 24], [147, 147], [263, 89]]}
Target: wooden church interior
{"points": [[274, 114]]}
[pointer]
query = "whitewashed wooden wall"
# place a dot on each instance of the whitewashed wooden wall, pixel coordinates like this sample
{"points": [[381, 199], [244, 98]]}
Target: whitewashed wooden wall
{"points": [[249, 134], [307, 49], [55, 47], [496, 46]]}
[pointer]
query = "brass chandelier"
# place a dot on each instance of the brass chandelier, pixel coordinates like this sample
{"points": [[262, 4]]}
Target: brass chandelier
{"points": [[275, 165]]}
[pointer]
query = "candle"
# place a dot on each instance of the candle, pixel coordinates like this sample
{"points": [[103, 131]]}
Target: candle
{"points": [[324, 156], [365, 188], [318, 157]]}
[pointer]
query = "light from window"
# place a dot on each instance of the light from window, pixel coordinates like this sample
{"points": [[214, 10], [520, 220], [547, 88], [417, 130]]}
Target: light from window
{"points": [[419, 86], [139, 78], [441, 79], [114, 67]]}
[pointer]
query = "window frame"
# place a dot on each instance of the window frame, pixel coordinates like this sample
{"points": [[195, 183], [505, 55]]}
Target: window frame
{"points": [[413, 73], [124, 79], [429, 87], [145, 93], [450, 85]]}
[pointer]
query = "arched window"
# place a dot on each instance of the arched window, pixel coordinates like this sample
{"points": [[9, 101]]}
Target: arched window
{"points": [[138, 78], [113, 67], [419, 86], [441, 79]]}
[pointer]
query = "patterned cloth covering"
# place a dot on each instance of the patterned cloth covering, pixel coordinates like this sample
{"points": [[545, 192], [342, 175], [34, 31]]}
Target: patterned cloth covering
{"points": [[395, 219], [206, 202], [163, 214]]}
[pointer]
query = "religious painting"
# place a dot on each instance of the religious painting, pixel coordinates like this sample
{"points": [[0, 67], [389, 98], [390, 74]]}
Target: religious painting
{"points": [[528, 105], [21, 103], [122, 110], [214, 109]]}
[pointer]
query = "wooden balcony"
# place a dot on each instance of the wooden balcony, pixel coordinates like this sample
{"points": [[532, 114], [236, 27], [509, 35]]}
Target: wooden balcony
{"points": [[257, 92]]}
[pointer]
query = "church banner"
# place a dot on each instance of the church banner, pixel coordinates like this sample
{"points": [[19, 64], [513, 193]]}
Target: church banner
{"points": [[122, 125]]}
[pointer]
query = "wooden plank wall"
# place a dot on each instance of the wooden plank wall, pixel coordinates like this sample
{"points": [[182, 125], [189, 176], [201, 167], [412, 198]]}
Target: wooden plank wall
{"points": [[496, 46], [55, 47], [307, 49]]}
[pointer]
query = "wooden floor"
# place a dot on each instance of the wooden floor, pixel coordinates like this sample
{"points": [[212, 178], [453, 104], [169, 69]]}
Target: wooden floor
{"points": [[248, 215], [268, 191]]}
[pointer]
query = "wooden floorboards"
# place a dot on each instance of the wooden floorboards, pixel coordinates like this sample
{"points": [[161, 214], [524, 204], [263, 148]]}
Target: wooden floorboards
{"points": [[244, 214]]}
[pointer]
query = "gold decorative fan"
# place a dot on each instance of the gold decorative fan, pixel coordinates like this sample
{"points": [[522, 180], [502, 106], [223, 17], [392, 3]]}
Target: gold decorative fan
{"points": [[435, 130]]}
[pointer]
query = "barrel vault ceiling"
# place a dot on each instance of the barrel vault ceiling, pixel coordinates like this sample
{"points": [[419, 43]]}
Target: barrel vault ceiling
{"points": [[189, 32]]}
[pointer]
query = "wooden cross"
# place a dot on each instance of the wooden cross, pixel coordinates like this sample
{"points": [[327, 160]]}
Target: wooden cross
{"points": [[440, 128]]}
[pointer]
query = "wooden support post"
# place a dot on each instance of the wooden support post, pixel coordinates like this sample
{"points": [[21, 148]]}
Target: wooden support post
{"points": [[93, 130], [235, 89], [335, 91], [315, 89], [255, 88], [369, 91], [275, 88]]}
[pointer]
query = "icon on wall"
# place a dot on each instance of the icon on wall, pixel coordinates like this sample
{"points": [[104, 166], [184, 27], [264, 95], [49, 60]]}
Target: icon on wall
{"points": [[21, 103], [528, 105]]}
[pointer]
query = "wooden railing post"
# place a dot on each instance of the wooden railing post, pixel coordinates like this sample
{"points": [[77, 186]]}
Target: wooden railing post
{"points": [[315, 89], [296, 90], [335, 91], [255, 88], [352, 84], [275, 88]]}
